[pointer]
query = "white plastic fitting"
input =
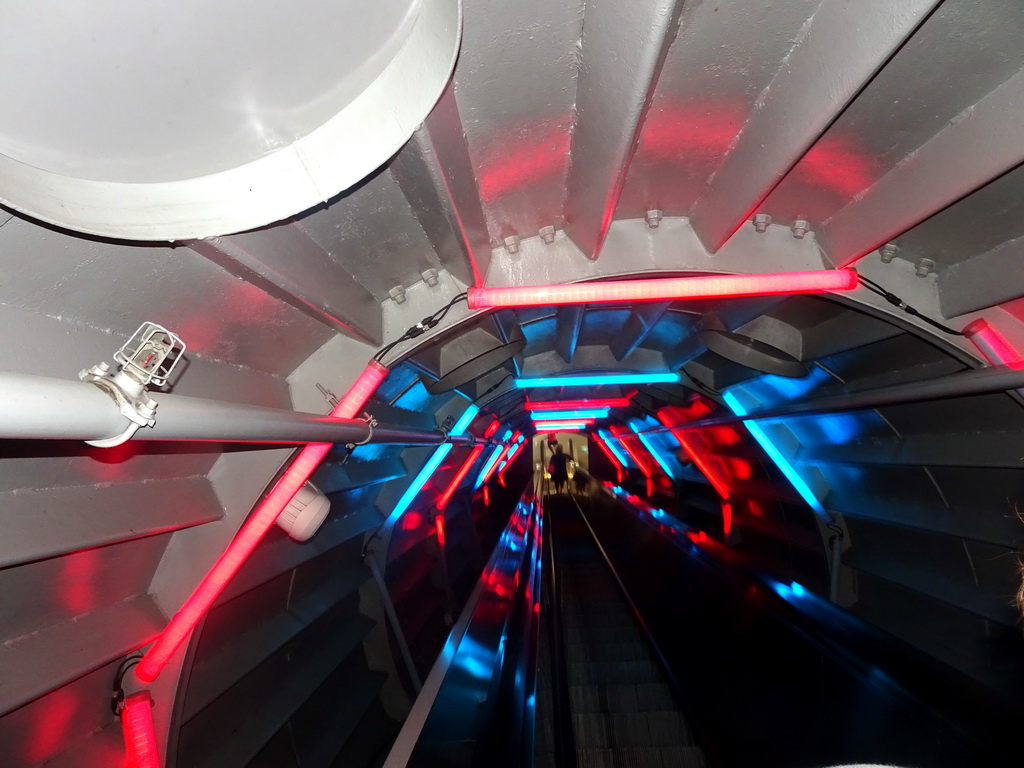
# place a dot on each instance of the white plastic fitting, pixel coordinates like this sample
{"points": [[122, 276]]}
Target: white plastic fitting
{"points": [[305, 513]]}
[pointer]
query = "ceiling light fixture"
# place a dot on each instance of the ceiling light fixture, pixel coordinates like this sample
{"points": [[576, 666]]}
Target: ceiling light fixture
{"points": [[662, 289]]}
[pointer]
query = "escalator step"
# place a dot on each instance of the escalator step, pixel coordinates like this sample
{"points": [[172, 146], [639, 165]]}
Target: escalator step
{"points": [[595, 758], [590, 730], [590, 672], [659, 757], [668, 728], [603, 634], [621, 652]]}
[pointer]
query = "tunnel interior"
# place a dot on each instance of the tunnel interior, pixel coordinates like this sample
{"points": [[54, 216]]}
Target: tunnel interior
{"points": [[760, 261]]}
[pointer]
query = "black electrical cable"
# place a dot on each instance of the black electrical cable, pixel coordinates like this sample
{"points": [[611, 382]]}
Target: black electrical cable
{"points": [[899, 303], [424, 325]]}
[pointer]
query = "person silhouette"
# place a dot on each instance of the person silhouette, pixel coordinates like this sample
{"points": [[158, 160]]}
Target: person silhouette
{"points": [[559, 468]]}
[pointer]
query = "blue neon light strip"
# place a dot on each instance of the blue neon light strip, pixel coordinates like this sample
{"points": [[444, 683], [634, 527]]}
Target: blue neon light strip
{"points": [[593, 381], [491, 459], [589, 413], [776, 455], [555, 426], [616, 452], [653, 451], [430, 467]]}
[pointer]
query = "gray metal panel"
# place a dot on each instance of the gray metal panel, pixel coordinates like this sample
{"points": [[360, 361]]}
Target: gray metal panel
{"points": [[437, 178], [640, 323], [516, 86], [114, 287], [285, 262], [979, 144], [567, 332], [839, 50], [725, 54], [622, 51], [54, 521], [960, 53], [373, 233]]}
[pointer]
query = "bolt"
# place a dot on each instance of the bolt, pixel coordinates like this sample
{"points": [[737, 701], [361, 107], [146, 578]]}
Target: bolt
{"points": [[653, 218], [800, 228], [397, 293], [888, 252], [547, 234], [925, 267], [512, 244], [430, 276], [761, 222]]}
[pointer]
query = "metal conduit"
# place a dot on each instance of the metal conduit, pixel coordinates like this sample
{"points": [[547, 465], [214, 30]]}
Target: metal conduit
{"points": [[979, 381], [36, 407]]}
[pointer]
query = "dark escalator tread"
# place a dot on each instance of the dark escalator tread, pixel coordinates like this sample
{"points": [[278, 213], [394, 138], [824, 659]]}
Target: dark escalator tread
{"points": [[590, 731], [595, 758], [659, 757], [591, 672], [607, 652], [669, 728]]}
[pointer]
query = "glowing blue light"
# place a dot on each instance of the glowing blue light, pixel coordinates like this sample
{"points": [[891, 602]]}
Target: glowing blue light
{"points": [[653, 450], [555, 426], [610, 442], [465, 420], [491, 459], [430, 467], [776, 455], [798, 589], [417, 485], [598, 380], [570, 415]]}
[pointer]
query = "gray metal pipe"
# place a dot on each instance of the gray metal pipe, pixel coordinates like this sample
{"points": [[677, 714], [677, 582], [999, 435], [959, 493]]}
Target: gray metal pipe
{"points": [[396, 625], [36, 407], [979, 381]]}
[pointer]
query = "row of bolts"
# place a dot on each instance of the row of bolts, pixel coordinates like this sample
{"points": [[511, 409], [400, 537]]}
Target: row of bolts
{"points": [[761, 222]]}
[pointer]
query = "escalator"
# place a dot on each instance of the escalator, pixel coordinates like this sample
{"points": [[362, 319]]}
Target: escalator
{"points": [[617, 705]]}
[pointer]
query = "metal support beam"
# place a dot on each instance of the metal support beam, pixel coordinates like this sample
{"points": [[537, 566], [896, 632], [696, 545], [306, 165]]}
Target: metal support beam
{"points": [[396, 625], [979, 381], [284, 261], [435, 173], [623, 50], [982, 143], [640, 323], [569, 322], [35, 407], [839, 50]]}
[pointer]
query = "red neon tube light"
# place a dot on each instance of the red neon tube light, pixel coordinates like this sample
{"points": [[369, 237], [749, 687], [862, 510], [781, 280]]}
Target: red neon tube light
{"points": [[459, 476], [993, 346], [253, 530], [716, 480], [705, 287], [504, 452], [140, 745], [625, 438], [611, 456], [575, 405]]}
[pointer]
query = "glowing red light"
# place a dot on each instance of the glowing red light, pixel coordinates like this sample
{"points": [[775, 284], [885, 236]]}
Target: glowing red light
{"points": [[253, 531], [442, 502], [717, 479], [629, 441], [439, 527], [993, 345], [704, 287], [492, 428], [576, 405], [611, 457], [139, 734]]}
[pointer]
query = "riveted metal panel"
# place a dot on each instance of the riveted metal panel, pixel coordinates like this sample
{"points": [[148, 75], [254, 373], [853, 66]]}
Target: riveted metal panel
{"points": [[516, 86]]}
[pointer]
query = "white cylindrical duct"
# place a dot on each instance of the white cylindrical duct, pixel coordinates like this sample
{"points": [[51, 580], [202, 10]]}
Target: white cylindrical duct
{"points": [[177, 121], [36, 407]]}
